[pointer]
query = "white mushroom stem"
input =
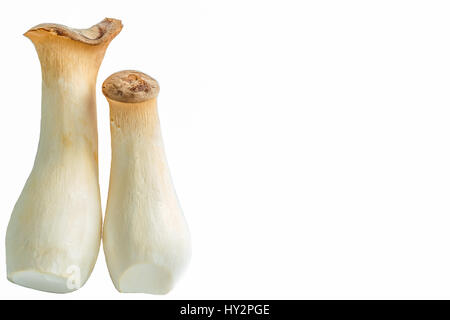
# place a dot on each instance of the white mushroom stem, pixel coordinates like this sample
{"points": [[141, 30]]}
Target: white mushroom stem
{"points": [[54, 233], [146, 238]]}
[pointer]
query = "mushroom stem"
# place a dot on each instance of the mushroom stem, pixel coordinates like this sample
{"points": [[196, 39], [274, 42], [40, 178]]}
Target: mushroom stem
{"points": [[54, 233], [146, 238]]}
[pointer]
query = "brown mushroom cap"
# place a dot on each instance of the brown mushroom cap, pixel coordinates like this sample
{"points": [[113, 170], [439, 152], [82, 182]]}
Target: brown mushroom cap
{"points": [[130, 86], [102, 32]]}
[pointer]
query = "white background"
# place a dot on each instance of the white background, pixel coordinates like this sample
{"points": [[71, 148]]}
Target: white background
{"points": [[309, 141]]}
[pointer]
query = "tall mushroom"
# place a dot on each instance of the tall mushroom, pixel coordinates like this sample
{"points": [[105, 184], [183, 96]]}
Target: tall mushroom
{"points": [[146, 238], [54, 233]]}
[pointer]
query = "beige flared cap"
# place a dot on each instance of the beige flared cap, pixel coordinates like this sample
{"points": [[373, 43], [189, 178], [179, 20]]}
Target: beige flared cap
{"points": [[101, 33]]}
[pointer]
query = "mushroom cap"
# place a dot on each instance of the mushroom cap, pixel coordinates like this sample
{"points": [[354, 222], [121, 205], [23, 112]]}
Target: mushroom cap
{"points": [[102, 32], [130, 86]]}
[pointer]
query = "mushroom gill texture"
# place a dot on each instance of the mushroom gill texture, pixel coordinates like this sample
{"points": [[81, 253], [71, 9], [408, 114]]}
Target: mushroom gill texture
{"points": [[53, 236]]}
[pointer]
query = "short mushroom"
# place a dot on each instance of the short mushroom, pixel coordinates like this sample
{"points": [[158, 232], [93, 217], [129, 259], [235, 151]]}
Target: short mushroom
{"points": [[146, 239]]}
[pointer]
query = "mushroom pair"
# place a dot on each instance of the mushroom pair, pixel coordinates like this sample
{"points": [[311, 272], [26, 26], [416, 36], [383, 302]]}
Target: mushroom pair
{"points": [[54, 234]]}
